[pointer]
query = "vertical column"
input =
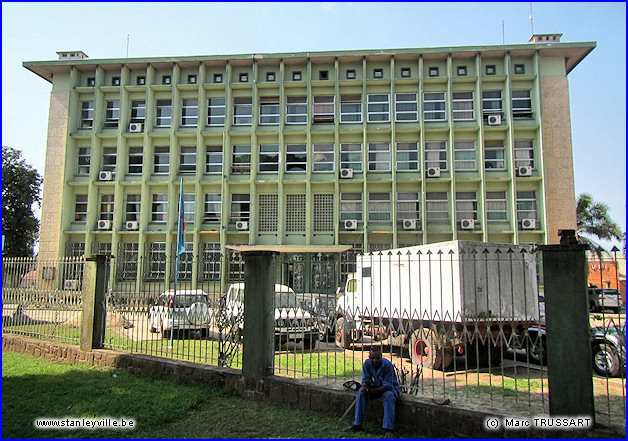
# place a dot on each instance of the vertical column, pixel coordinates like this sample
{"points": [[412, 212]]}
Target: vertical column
{"points": [[93, 317]]}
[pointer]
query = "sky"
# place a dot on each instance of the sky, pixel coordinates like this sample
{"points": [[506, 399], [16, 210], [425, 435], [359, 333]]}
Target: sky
{"points": [[36, 31]]}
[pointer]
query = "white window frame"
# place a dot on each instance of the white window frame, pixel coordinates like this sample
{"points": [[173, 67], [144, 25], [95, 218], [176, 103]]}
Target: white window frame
{"points": [[87, 114], [436, 154], [350, 109], [112, 114], [497, 146], [156, 261], [350, 156], [241, 152], [189, 207], [489, 101], [136, 160], [351, 206], [212, 261], [524, 153], [138, 111], [406, 107], [215, 104], [163, 113], [130, 254], [296, 110], [296, 158], [269, 158], [465, 156], [213, 207], [524, 198], [438, 99], [374, 101], [269, 111], [159, 208], [496, 206], [379, 157], [407, 157], [213, 159], [466, 205], [159, 152], [408, 206], [109, 157], [462, 106], [189, 112], [324, 109], [522, 104], [380, 207], [240, 200], [106, 207], [84, 160], [133, 207], [323, 158], [434, 203], [187, 160], [242, 111], [80, 208]]}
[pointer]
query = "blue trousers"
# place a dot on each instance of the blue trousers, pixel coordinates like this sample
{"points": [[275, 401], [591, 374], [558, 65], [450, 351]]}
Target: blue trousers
{"points": [[389, 397]]}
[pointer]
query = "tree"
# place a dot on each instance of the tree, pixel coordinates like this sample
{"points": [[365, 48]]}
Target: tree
{"points": [[21, 187], [594, 220]]}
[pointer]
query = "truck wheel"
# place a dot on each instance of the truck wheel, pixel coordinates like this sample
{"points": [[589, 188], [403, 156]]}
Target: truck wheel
{"points": [[536, 349], [425, 351], [605, 360], [343, 334]]}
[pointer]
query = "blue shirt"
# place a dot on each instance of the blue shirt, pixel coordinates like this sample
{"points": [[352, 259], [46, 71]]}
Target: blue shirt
{"points": [[384, 376]]}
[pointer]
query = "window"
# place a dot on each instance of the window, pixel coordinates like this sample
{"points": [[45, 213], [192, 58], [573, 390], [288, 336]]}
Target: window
{"points": [[189, 112], [136, 160], [524, 153], [378, 73], [80, 208], [166, 79], [324, 109], [350, 206], [162, 160], [269, 158], [378, 108], [244, 78], [520, 69], [466, 205], [323, 75], [115, 81], [380, 209], [160, 208], [157, 261], [138, 111], [128, 263], [408, 206], [323, 157], [296, 110], [240, 207], [406, 107], [462, 103], [296, 76], [213, 162], [242, 111], [87, 114], [494, 155], [101, 248], [140, 81], [436, 155], [462, 71], [211, 267], [187, 160], [191, 79], [491, 69], [492, 101], [521, 104], [84, 158], [351, 74], [164, 113], [216, 112], [526, 205], [213, 207], [437, 206], [433, 71], [323, 213], [91, 82], [189, 207], [270, 76], [186, 263], [217, 78], [464, 155], [269, 110], [76, 249], [405, 72], [133, 206], [351, 109], [351, 156], [295, 213], [407, 156], [379, 156], [112, 114], [106, 207], [109, 159], [241, 159], [496, 206], [434, 106], [296, 158]]}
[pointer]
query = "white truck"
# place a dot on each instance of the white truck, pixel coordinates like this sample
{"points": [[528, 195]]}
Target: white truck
{"points": [[441, 299]]}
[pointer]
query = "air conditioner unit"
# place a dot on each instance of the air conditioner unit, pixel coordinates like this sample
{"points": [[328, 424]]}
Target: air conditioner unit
{"points": [[494, 120], [70, 285], [524, 171], [242, 225], [346, 173], [409, 224], [351, 224], [136, 127], [105, 176], [467, 224], [528, 224], [433, 172], [132, 225], [104, 224]]}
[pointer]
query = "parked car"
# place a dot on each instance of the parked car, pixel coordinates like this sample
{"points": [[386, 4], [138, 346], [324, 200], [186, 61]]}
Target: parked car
{"points": [[191, 309], [608, 346], [604, 298], [324, 308], [292, 322]]}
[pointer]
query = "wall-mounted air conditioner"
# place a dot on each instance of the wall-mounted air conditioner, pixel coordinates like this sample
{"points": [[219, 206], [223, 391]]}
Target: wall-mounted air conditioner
{"points": [[105, 176], [132, 225], [433, 172], [409, 224], [467, 224], [524, 171], [242, 225], [351, 224], [528, 224], [136, 127], [346, 173], [70, 285], [104, 224], [494, 120]]}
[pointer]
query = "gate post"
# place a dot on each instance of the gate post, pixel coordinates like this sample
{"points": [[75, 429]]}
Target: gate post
{"points": [[93, 317], [259, 314], [569, 369]]}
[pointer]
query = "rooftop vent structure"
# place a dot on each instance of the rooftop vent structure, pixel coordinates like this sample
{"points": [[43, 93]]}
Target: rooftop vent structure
{"points": [[72, 55], [545, 38]]}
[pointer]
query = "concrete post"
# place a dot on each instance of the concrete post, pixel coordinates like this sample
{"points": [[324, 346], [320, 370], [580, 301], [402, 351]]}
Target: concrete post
{"points": [[94, 286], [259, 314], [567, 323]]}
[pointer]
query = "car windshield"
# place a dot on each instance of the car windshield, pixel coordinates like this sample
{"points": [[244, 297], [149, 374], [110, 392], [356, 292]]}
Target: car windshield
{"points": [[187, 301], [286, 299]]}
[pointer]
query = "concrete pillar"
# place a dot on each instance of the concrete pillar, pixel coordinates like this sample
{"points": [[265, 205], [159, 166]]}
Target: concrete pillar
{"points": [[94, 287], [567, 321], [259, 314]]}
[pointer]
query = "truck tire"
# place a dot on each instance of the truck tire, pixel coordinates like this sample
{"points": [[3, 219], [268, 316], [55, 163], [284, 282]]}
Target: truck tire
{"points": [[424, 350], [343, 334]]}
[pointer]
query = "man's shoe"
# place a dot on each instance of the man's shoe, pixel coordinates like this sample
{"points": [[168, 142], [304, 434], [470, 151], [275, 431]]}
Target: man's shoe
{"points": [[390, 435], [353, 428]]}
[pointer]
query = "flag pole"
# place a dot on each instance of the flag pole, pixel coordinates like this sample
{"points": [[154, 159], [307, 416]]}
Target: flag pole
{"points": [[180, 249]]}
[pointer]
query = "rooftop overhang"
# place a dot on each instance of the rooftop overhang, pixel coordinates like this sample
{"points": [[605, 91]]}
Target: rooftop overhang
{"points": [[290, 249], [573, 53]]}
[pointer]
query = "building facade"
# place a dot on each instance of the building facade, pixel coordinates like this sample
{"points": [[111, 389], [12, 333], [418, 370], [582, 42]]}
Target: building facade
{"points": [[371, 149]]}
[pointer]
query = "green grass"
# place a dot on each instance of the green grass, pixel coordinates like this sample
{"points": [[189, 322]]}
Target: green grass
{"points": [[35, 388], [507, 388]]}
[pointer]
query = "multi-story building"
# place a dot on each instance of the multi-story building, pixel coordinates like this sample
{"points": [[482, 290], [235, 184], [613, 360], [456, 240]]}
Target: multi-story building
{"points": [[369, 149]]}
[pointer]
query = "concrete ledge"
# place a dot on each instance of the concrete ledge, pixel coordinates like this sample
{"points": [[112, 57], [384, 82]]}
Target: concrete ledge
{"points": [[412, 412]]}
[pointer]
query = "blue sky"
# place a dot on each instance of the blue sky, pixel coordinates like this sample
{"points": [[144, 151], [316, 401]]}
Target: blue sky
{"points": [[36, 31]]}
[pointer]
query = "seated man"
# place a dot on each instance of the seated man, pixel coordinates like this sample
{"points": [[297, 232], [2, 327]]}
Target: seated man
{"points": [[378, 381]]}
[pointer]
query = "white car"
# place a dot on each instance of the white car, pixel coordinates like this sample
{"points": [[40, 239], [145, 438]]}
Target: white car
{"points": [[292, 322], [191, 309]]}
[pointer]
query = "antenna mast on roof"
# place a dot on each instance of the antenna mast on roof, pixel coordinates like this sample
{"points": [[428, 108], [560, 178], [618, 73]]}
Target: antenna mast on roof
{"points": [[503, 33], [128, 36], [531, 21]]}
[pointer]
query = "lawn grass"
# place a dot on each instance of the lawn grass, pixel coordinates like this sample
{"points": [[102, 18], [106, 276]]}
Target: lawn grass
{"points": [[35, 388]]}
